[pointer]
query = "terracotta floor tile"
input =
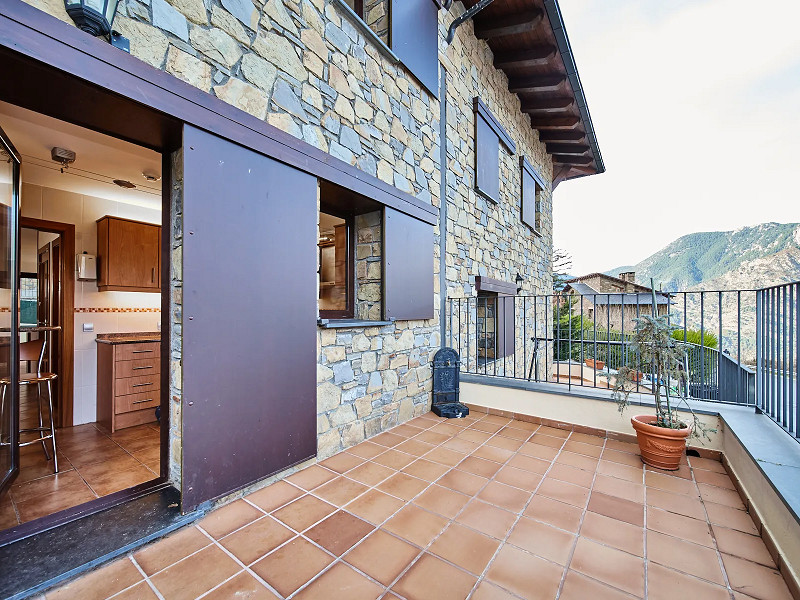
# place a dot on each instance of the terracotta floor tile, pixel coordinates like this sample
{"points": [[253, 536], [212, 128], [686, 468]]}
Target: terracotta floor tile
{"points": [[524, 574], [443, 456], [447, 428], [620, 471], [464, 547], [403, 486], [612, 532], [707, 464], [666, 584], [588, 438], [505, 443], [141, 591], [479, 466], [342, 462], [112, 481], [683, 472], [512, 433], [498, 419], [406, 430], [676, 485], [340, 491], [463, 482], [489, 591], [572, 474], [82, 456], [554, 431], [617, 508], [195, 575], [546, 440], [564, 492], [529, 463], [677, 503], [431, 578], [426, 469], [519, 478], [504, 496], [755, 580], [367, 450], [578, 447], [339, 532], [442, 501], [311, 477], [416, 525], [256, 539], [222, 521], [303, 512], [387, 439], [382, 556], [244, 586], [414, 447], [620, 488], [712, 493], [341, 581], [292, 565], [374, 506], [486, 518], [624, 458], [687, 528], [542, 540], [684, 556], [97, 470], [524, 425], [163, 553], [719, 514], [613, 567], [48, 504], [580, 587], [275, 495], [370, 473], [538, 451], [629, 447], [493, 453], [476, 437], [68, 481], [99, 584], [431, 437], [394, 459], [743, 545], [555, 513], [488, 427], [711, 478], [587, 463]]}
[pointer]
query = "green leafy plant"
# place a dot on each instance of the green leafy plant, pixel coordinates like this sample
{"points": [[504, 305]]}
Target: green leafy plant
{"points": [[659, 353], [694, 336]]}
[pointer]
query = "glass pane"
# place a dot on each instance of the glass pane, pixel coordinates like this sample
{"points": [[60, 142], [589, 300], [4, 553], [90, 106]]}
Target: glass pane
{"points": [[333, 244], [7, 195]]}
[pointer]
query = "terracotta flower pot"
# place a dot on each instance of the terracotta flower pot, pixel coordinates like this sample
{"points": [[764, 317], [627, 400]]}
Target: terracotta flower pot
{"points": [[661, 447], [596, 364]]}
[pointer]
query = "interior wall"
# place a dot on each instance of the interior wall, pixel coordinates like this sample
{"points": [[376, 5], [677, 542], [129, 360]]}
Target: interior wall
{"points": [[108, 312]]}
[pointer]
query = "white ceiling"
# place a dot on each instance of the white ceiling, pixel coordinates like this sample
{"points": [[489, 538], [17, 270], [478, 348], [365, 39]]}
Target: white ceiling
{"points": [[100, 158]]}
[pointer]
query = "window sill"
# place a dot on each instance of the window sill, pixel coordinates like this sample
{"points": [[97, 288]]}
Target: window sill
{"points": [[349, 323], [366, 31]]}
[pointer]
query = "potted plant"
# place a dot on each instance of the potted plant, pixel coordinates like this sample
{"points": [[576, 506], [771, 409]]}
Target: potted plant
{"points": [[595, 364], [662, 436]]}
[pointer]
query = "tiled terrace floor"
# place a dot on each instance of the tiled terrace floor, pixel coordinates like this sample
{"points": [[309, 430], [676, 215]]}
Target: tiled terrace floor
{"points": [[482, 508]]}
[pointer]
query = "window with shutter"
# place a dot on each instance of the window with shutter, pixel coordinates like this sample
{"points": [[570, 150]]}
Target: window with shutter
{"points": [[496, 312], [408, 267], [489, 134], [415, 39], [532, 187]]}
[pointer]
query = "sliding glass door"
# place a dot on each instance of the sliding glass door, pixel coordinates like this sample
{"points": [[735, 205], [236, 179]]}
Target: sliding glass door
{"points": [[9, 318]]}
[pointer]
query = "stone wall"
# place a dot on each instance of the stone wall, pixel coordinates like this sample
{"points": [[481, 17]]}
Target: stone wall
{"points": [[369, 293], [175, 224]]}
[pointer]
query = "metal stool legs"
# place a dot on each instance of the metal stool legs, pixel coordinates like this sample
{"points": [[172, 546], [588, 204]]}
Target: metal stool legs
{"points": [[45, 433], [52, 427]]}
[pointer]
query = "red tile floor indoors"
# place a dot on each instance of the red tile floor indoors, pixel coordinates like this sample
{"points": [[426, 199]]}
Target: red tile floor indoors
{"points": [[484, 508]]}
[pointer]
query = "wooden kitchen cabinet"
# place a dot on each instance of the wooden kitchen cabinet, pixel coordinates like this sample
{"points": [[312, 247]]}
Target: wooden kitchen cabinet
{"points": [[128, 255], [128, 382]]}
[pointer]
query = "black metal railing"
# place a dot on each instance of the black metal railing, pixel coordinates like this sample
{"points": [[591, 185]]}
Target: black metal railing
{"points": [[778, 348], [583, 340]]}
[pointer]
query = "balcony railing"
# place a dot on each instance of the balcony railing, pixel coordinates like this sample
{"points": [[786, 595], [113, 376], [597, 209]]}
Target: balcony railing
{"points": [[742, 345]]}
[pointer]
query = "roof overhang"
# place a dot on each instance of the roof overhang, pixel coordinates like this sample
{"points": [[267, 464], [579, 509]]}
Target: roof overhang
{"points": [[530, 45]]}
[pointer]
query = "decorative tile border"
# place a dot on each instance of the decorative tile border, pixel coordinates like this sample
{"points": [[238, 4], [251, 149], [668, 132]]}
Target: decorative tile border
{"points": [[117, 310]]}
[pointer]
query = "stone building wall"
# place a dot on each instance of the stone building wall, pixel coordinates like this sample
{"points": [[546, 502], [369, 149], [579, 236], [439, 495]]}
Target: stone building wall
{"points": [[369, 293]]}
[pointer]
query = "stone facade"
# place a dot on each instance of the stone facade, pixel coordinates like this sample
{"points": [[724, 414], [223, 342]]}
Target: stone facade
{"points": [[303, 66]]}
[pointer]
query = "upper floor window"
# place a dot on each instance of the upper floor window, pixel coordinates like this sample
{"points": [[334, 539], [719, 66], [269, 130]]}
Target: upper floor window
{"points": [[531, 201], [488, 136], [375, 13]]}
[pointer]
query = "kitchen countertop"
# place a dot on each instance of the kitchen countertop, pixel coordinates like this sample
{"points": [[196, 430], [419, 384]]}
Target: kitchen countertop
{"points": [[128, 338]]}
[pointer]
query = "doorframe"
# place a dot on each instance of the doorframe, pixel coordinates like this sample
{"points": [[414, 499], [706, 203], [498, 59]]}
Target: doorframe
{"points": [[66, 355]]}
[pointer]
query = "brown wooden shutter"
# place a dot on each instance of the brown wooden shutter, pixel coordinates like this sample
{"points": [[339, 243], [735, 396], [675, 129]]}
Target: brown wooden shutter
{"points": [[249, 317], [505, 325], [415, 39], [488, 136], [531, 185], [407, 267]]}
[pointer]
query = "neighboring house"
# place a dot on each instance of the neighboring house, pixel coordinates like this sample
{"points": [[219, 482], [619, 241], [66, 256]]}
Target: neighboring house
{"points": [[304, 163], [613, 302]]}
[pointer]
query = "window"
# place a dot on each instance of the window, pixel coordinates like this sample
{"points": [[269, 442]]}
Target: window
{"points": [[496, 318], [375, 13], [28, 298], [531, 201], [335, 271], [488, 136]]}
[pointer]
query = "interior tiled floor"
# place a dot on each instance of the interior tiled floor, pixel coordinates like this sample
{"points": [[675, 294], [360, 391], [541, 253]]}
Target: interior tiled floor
{"points": [[91, 464], [482, 508]]}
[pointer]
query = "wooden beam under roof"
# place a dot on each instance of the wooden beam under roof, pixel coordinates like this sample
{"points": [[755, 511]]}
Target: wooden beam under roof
{"points": [[562, 136], [523, 22], [572, 149], [572, 160], [550, 122], [539, 54], [545, 104], [536, 83]]}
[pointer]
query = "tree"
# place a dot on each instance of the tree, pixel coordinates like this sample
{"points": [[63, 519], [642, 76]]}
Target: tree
{"points": [[562, 262]]}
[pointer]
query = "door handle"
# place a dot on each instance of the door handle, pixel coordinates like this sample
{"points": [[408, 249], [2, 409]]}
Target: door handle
{"points": [[142, 401], [140, 368], [141, 384], [152, 275], [140, 351]]}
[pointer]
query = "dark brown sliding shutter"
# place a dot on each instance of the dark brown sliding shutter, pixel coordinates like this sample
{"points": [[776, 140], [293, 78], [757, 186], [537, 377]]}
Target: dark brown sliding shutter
{"points": [[531, 186], [415, 38], [487, 160], [505, 321], [249, 317], [407, 267]]}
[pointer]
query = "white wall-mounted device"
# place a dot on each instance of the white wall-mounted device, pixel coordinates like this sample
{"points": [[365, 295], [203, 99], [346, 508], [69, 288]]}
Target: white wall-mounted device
{"points": [[86, 267]]}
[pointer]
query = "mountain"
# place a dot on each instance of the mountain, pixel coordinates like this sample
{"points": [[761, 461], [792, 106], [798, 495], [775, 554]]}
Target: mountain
{"points": [[748, 257], [745, 259]]}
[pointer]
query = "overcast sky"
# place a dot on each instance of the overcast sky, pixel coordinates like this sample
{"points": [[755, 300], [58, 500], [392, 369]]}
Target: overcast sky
{"points": [[696, 105]]}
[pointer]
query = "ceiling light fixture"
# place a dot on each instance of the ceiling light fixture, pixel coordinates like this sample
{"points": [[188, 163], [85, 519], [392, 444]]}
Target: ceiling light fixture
{"points": [[151, 176], [63, 156], [96, 18], [124, 184]]}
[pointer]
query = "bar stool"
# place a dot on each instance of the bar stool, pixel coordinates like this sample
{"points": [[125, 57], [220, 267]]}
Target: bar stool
{"points": [[29, 352]]}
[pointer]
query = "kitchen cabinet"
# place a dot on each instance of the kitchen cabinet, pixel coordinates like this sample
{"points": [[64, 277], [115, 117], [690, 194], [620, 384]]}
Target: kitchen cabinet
{"points": [[128, 255]]}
